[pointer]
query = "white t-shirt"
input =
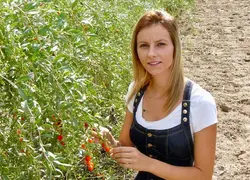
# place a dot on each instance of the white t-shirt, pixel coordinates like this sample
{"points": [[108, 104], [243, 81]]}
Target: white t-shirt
{"points": [[203, 111]]}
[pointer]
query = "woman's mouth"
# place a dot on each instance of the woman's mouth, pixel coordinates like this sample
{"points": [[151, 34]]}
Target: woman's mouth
{"points": [[155, 63]]}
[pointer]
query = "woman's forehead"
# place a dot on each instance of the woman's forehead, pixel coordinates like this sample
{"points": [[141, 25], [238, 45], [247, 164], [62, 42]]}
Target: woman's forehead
{"points": [[154, 32]]}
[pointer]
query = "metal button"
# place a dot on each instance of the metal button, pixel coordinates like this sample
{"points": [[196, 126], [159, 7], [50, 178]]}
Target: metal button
{"points": [[150, 145], [185, 104], [136, 100], [138, 94], [149, 134], [185, 111], [185, 119]]}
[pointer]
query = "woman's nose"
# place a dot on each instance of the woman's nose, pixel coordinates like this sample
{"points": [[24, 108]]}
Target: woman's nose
{"points": [[151, 52]]}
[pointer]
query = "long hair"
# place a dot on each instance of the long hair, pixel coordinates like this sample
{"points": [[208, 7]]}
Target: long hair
{"points": [[141, 76]]}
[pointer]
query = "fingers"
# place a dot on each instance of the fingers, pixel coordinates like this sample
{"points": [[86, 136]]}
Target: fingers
{"points": [[122, 149], [103, 136], [95, 137], [121, 156]]}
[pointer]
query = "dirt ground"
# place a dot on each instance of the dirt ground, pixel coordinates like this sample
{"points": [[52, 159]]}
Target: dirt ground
{"points": [[216, 51]]}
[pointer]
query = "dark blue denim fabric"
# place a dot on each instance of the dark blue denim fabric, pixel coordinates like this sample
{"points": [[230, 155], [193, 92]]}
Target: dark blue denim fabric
{"points": [[173, 146]]}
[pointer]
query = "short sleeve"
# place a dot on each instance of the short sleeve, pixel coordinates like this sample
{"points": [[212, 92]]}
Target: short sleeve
{"points": [[131, 102], [204, 112]]}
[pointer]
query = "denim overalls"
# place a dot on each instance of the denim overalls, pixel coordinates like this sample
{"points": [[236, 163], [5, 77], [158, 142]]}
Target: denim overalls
{"points": [[173, 146]]}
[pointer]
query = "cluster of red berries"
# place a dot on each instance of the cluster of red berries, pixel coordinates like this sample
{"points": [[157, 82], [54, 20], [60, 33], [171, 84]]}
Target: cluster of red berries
{"points": [[20, 135], [105, 147], [58, 127], [89, 163]]}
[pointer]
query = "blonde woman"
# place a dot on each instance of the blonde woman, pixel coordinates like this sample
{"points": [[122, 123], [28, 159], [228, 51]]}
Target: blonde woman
{"points": [[169, 131]]}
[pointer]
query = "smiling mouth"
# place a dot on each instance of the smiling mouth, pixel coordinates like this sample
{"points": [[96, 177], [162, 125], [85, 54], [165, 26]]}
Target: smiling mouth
{"points": [[154, 63]]}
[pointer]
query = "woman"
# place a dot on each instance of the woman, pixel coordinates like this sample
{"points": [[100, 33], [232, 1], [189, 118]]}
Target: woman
{"points": [[169, 131]]}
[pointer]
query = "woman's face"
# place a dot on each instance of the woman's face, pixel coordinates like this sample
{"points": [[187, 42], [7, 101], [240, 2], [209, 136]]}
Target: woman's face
{"points": [[155, 49]]}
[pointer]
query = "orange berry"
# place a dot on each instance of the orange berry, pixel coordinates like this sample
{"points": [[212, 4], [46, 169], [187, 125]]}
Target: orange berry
{"points": [[22, 151], [53, 117], [107, 149], [18, 131], [88, 158], [91, 167], [83, 146]]}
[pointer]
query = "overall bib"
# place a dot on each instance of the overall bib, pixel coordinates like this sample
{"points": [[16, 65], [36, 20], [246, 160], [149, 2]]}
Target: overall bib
{"points": [[173, 146]]}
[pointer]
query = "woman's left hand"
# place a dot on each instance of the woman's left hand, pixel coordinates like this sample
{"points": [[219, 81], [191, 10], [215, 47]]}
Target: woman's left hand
{"points": [[130, 157]]}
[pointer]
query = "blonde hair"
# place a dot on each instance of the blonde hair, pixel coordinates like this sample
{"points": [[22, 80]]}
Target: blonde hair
{"points": [[141, 76]]}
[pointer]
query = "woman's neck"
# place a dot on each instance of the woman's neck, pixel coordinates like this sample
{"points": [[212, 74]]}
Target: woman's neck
{"points": [[158, 87]]}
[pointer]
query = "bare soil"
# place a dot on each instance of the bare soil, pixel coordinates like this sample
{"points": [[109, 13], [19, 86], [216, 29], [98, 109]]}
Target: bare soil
{"points": [[216, 52]]}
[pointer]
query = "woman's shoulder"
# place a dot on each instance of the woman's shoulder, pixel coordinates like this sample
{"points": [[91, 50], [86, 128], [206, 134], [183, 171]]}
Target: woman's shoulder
{"points": [[203, 108], [201, 95], [131, 85], [130, 103]]}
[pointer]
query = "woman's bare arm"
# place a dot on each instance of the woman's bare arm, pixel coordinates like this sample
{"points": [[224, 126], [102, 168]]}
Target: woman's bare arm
{"points": [[124, 138]]}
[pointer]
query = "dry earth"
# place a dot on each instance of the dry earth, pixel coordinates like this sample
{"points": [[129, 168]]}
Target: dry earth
{"points": [[216, 50]]}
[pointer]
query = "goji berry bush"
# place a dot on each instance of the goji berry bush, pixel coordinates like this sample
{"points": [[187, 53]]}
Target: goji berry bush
{"points": [[65, 68]]}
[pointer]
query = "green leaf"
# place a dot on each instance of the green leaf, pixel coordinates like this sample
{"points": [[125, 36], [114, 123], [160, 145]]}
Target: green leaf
{"points": [[50, 154], [44, 30], [22, 93], [24, 78], [62, 164], [74, 4], [9, 81], [33, 12]]}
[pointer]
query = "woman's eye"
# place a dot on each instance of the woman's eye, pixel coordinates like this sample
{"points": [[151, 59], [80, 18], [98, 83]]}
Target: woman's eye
{"points": [[161, 44], [143, 45]]}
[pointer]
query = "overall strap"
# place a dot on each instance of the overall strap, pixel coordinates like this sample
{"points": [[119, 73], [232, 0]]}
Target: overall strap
{"points": [[186, 102], [138, 97], [185, 115]]}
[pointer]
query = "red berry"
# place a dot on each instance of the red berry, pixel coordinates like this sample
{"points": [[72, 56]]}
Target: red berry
{"points": [[83, 146], [86, 125], [90, 140], [22, 151], [87, 158], [62, 143], [18, 131], [107, 149], [59, 137], [53, 117], [91, 167], [22, 119], [87, 162], [21, 139], [58, 123]]}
